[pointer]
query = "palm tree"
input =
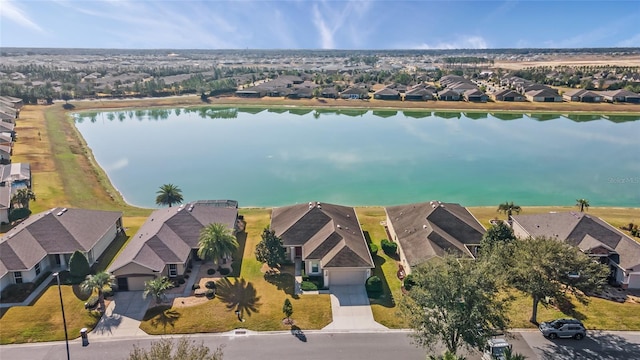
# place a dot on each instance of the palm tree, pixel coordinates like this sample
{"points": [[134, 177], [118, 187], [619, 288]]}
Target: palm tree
{"points": [[216, 241], [22, 197], [98, 282], [510, 355], [582, 204], [169, 194], [508, 208], [156, 288]]}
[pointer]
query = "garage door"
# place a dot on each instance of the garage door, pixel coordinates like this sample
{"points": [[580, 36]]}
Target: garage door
{"points": [[634, 281], [349, 277]]}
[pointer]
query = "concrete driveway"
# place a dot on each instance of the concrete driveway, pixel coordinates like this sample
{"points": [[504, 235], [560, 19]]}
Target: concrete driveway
{"points": [[122, 317], [351, 309]]}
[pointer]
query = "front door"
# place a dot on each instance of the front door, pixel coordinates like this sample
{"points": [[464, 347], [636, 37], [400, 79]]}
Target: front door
{"points": [[123, 284], [298, 252]]}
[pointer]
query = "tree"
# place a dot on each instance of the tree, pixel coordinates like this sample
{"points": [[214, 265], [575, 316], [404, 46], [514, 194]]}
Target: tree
{"points": [[78, 267], [510, 355], [22, 197], [287, 309], [66, 96], [582, 204], [508, 208], [216, 241], [97, 283], [448, 355], [455, 302], [270, 250], [548, 268], [498, 233], [166, 349], [156, 288], [169, 194]]}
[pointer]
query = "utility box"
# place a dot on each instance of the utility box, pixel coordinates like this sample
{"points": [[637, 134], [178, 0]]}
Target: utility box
{"points": [[83, 334]]}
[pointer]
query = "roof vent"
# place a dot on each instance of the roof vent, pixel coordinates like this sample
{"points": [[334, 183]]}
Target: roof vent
{"points": [[339, 226], [424, 226], [191, 208], [59, 213]]}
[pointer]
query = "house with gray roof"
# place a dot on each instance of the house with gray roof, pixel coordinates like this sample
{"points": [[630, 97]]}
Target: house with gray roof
{"points": [[622, 95], [475, 95], [582, 95], [387, 94], [326, 239], [591, 235], [167, 243], [14, 173], [507, 95], [419, 92], [448, 95], [46, 241], [432, 229], [543, 95]]}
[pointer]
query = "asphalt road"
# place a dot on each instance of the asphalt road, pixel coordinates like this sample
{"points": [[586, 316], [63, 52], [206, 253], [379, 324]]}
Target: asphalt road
{"points": [[323, 346]]}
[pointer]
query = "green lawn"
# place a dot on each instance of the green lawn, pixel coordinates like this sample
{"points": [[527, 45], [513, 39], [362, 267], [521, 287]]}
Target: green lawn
{"points": [[384, 308], [43, 320], [265, 297]]}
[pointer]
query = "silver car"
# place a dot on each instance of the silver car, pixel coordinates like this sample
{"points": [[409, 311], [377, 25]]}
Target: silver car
{"points": [[563, 328]]}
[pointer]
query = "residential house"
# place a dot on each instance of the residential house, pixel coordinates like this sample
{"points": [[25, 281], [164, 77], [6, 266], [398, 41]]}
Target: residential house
{"points": [[11, 174], [14, 102], [462, 87], [419, 93], [5, 204], [582, 95], [591, 235], [8, 128], [432, 229], [543, 95], [251, 92], [167, 243], [47, 240], [326, 239], [507, 95], [621, 95], [448, 95], [475, 95], [387, 94], [329, 93], [355, 93]]}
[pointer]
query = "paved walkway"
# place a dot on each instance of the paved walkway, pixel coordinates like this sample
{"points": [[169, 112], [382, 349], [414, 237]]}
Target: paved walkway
{"points": [[35, 293], [122, 317], [351, 309]]}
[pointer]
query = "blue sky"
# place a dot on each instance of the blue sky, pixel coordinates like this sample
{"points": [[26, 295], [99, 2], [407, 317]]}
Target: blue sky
{"points": [[311, 24]]}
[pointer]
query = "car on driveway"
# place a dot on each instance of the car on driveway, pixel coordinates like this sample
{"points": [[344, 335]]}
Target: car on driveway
{"points": [[563, 328]]}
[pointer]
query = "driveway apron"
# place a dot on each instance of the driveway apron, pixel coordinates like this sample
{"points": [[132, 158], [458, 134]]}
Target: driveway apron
{"points": [[122, 317], [351, 309]]}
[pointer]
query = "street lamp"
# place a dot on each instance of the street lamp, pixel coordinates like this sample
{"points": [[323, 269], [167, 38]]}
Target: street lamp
{"points": [[64, 319]]}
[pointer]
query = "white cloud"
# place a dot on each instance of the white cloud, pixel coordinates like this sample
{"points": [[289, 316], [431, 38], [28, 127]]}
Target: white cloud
{"points": [[12, 12], [633, 41], [326, 35], [462, 42], [329, 19]]}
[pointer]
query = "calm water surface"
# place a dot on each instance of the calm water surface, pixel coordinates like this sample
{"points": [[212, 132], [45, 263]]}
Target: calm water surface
{"points": [[281, 157]]}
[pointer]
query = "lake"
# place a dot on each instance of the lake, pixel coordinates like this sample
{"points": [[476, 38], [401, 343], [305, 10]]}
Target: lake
{"points": [[275, 157]]}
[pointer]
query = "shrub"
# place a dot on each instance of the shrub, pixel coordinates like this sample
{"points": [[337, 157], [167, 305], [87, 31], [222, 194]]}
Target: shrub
{"points": [[224, 271], [373, 248], [210, 285], [181, 281], [409, 282], [195, 286], [186, 276], [92, 302], [78, 267], [210, 294], [19, 213], [308, 286], [188, 270], [374, 285], [211, 271], [389, 247]]}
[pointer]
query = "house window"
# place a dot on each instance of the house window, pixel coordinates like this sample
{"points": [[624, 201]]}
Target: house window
{"points": [[37, 267], [17, 277], [315, 267], [173, 270]]}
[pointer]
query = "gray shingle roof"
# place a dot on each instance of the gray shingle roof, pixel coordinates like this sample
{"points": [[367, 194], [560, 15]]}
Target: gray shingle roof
{"points": [[580, 229], [330, 233], [169, 235], [430, 229], [49, 233]]}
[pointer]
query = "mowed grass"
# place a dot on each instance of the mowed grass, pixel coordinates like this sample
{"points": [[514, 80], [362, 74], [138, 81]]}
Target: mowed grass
{"points": [[310, 311], [385, 309], [597, 314], [43, 320]]}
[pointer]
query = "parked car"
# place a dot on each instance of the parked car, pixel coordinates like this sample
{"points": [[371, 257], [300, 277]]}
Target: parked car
{"points": [[563, 328]]}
